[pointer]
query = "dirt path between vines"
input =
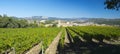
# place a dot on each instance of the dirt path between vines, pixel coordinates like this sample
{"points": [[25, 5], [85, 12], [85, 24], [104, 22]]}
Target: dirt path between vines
{"points": [[52, 49], [73, 45], [68, 44], [81, 47], [35, 50]]}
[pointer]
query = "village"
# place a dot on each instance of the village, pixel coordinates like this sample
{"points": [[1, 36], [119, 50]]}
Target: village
{"points": [[63, 23]]}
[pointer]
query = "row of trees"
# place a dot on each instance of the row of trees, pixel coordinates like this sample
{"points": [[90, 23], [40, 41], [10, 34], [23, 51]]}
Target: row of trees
{"points": [[12, 22]]}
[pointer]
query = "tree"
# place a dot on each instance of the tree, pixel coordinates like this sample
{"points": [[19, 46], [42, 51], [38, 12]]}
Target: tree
{"points": [[5, 15], [22, 23], [0, 16], [112, 4], [13, 22]]}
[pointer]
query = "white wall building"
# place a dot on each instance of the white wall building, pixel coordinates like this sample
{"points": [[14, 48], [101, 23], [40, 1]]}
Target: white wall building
{"points": [[64, 24]]}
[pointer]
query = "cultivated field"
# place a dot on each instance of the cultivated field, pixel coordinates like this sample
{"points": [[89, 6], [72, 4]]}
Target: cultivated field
{"points": [[69, 40]]}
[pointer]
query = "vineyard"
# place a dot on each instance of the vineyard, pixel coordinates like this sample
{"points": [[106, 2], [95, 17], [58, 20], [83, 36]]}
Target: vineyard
{"points": [[99, 33], [95, 39], [23, 39], [69, 40]]}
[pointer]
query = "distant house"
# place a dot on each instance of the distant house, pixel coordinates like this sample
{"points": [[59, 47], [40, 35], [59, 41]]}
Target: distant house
{"points": [[69, 23], [42, 21], [30, 21], [86, 24], [48, 25], [64, 23], [33, 22]]}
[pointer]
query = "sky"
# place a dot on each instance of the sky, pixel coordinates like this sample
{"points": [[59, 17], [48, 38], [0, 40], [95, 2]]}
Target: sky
{"points": [[57, 8]]}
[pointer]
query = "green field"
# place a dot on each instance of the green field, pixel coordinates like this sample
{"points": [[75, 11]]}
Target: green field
{"points": [[24, 38], [95, 39], [97, 32]]}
